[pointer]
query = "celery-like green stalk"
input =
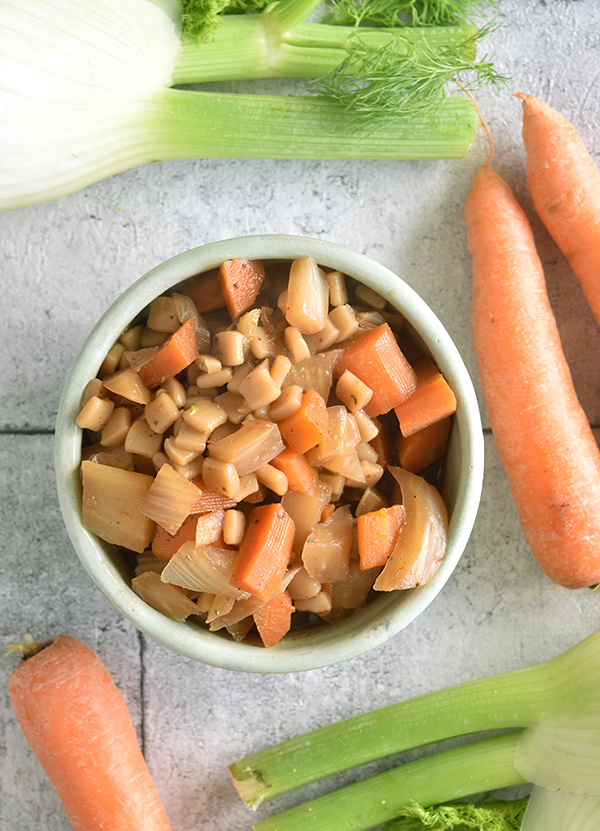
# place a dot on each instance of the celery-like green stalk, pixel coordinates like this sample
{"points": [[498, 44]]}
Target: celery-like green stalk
{"points": [[557, 701], [476, 767], [193, 124]]}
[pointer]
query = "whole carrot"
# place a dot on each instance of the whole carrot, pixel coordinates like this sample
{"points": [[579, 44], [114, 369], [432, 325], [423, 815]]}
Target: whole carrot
{"points": [[79, 727], [564, 183], [543, 438]]}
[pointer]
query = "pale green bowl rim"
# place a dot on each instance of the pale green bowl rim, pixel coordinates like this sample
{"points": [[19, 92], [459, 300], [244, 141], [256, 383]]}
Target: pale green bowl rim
{"points": [[366, 629]]}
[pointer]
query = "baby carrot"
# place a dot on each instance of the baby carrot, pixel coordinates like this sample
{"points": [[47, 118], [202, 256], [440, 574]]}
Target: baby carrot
{"points": [[79, 727], [543, 438], [564, 183]]}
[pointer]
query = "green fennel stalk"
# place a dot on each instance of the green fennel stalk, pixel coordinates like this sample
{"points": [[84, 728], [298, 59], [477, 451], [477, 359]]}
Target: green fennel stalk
{"points": [[556, 704], [428, 781]]}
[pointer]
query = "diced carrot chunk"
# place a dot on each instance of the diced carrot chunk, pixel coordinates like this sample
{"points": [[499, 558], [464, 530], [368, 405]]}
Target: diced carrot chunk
{"points": [[423, 448], [172, 357], [308, 424], [265, 551], [432, 400], [165, 545], [240, 282], [377, 534], [274, 619], [205, 291], [301, 475], [375, 357]]}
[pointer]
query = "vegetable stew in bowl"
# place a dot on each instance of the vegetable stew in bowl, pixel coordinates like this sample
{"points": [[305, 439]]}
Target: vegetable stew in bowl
{"points": [[265, 448]]}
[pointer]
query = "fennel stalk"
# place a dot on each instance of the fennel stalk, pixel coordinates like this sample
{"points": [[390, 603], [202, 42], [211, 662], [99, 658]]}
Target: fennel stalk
{"points": [[552, 709]]}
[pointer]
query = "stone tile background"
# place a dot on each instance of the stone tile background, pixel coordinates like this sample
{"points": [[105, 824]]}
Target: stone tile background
{"points": [[62, 264]]}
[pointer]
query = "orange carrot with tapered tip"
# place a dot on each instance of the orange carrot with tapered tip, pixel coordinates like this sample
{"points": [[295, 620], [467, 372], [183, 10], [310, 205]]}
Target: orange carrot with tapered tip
{"points": [[543, 438], [79, 727], [564, 183]]}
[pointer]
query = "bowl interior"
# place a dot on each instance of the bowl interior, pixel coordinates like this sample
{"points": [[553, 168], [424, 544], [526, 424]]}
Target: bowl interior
{"points": [[365, 629]]}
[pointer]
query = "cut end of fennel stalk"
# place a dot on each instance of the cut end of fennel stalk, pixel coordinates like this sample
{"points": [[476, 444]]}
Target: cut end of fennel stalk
{"points": [[251, 786]]}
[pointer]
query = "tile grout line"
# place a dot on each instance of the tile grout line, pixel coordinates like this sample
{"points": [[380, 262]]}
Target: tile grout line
{"points": [[24, 431]]}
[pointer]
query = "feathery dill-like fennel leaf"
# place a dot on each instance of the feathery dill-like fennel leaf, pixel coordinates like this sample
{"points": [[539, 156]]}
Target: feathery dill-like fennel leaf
{"points": [[493, 815], [201, 18], [393, 13], [376, 84]]}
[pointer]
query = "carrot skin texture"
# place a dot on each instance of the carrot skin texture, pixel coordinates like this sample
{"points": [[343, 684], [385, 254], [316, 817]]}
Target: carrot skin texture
{"points": [[79, 727], [542, 435], [564, 183]]}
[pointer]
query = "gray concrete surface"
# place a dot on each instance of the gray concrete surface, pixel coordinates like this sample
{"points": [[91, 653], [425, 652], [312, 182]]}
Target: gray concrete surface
{"points": [[61, 265]]}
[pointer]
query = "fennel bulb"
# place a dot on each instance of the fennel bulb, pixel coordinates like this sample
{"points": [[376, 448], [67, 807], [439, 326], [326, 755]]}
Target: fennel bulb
{"points": [[87, 90], [561, 811], [79, 79]]}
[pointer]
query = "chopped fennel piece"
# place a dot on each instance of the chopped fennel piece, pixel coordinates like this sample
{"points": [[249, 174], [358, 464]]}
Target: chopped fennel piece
{"points": [[205, 568], [169, 499], [169, 600]]}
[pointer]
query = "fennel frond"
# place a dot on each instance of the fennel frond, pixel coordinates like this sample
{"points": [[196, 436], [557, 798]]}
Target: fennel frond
{"points": [[374, 85], [407, 12]]}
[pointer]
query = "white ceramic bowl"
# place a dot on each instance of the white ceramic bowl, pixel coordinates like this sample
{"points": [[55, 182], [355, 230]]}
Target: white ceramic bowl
{"points": [[389, 613]]}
